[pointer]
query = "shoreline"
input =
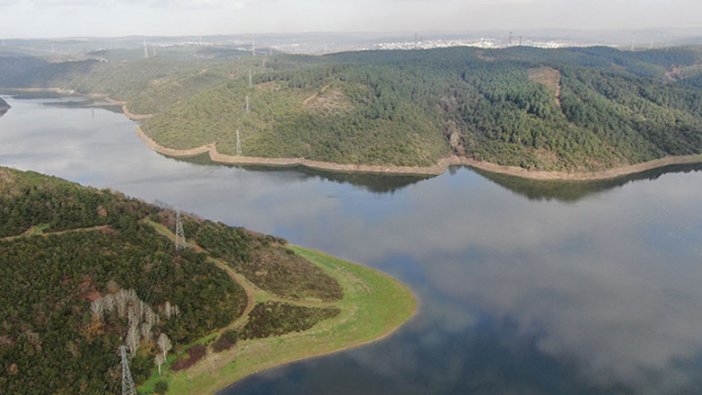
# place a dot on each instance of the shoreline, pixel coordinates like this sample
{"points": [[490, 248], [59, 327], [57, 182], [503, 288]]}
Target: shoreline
{"points": [[348, 347], [437, 169], [295, 347]]}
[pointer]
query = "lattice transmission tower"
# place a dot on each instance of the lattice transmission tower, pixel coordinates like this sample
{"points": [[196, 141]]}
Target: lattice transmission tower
{"points": [[238, 143], [179, 234], [128, 387]]}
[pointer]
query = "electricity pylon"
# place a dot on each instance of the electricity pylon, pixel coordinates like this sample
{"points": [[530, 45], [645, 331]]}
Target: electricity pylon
{"points": [[128, 387], [238, 144], [180, 234]]}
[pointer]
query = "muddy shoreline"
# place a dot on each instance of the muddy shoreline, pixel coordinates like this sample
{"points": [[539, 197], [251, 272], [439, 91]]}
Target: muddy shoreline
{"points": [[440, 167]]}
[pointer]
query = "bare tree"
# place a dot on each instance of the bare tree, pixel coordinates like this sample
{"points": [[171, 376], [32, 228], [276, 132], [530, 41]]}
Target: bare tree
{"points": [[132, 315], [167, 310], [109, 303], [146, 330], [150, 317], [121, 303], [165, 344], [159, 360], [131, 295], [97, 307], [133, 339]]}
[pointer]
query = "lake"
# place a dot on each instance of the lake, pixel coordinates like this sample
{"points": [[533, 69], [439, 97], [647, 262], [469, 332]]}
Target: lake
{"points": [[523, 287]]}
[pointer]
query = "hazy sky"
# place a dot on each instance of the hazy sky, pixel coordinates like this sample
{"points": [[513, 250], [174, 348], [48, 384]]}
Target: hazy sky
{"points": [[57, 18]]}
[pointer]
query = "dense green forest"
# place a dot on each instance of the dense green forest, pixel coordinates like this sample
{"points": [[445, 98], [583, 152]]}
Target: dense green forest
{"points": [[553, 109], [84, 271]]}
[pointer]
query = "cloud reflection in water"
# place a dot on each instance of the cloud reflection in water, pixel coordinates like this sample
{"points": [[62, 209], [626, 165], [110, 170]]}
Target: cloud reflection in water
{"points": [[600, 293]]}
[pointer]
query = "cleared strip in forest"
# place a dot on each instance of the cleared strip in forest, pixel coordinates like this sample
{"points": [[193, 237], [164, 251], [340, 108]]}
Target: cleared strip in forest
{"points": [[30, 233], [316, 94]]}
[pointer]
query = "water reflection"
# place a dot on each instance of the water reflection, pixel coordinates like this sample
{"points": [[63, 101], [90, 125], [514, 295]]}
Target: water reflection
{"points": [[519, 292], [84, 103], [575, 190], [376, 183]]}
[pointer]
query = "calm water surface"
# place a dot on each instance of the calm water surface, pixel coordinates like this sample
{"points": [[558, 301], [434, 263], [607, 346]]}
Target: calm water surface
{"points": [[524, 288]]}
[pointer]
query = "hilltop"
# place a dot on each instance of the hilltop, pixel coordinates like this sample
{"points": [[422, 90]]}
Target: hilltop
{"points": [[85, 271], [568, 110]]}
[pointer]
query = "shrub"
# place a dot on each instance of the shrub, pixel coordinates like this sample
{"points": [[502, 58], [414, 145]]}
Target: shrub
{"points": [[195, 353], [161, 387], [225, 341], [275, 319]]}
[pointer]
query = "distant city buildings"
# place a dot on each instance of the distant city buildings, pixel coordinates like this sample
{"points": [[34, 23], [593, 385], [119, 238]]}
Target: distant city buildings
{"points": [[477, 43]]}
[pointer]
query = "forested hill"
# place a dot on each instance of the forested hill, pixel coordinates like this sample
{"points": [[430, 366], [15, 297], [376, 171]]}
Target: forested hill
{"points": [[562, 109], [84, 271]]}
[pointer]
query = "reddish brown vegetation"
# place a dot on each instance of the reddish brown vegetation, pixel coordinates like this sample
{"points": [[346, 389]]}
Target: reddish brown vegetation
{"points": [[225, 341], [195, 353]]}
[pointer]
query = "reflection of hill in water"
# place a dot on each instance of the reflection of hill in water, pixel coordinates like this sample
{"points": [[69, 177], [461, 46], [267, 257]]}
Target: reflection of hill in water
{"points": [[572, 191], [53, 99], [83, 102], [4, 107], [375, 183], [565, 191]]}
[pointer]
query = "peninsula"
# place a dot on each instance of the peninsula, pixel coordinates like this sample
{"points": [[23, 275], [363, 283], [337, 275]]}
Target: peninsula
{"points": [[229, 303]]}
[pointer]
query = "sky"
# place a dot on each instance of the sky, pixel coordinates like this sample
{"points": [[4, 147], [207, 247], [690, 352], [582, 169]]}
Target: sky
{"points": [[109, 18]]}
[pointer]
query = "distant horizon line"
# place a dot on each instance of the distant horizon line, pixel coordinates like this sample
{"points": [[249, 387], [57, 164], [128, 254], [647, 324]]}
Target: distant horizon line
{"points": [[694, 30]]}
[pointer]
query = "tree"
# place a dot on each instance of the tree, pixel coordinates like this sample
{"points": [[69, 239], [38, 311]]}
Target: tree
{"points": [[146, 330], [97, 307], [164, 343], [133, 339], [161, 387], [159, 360]]}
